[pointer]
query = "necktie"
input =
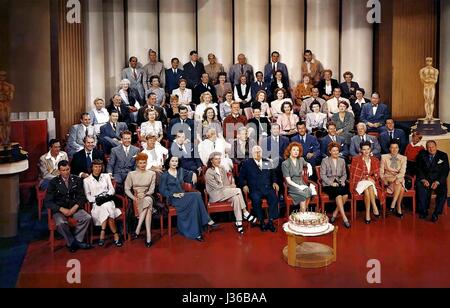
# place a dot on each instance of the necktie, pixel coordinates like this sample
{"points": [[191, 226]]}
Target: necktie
{"points": [[175, 71], [273, 68], [260, 165], [259, 84], [114, 126], [87, 131], [181, 149], [333, 138], [362, 138], [214, 145], [431, 159], [126, 152], [242, 69], [134, 73], [118, 110], [89, 160], [391, 134]]}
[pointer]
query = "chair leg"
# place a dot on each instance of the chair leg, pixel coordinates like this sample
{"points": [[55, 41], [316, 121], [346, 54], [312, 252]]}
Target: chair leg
{"points": [[52, 240], [414, 206], [161, 223], [288, 207], [124, 226], [169, 228]]}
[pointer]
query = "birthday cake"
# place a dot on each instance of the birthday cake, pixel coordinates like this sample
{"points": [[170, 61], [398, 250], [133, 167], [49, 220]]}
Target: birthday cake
{"points": [[308, 223]]}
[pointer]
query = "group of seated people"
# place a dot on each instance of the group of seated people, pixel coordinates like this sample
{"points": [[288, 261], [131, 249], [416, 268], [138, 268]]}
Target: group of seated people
{"points": [[240, 145]]}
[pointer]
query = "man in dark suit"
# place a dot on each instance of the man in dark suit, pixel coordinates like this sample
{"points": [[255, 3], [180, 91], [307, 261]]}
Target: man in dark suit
{"points": [[358, 103], [173, 76], [81, 164], [260, 125], [349, 87], [124, 112], [432, 173], [273, 149], [203, 87], [186, 153], [110, 133], [391, 134], [374, 115], [151, 104], [66, 198], [257, 178], [259, 85], [272, 67], [193, 70], [182, 123], [311, 147], [332, 137]]}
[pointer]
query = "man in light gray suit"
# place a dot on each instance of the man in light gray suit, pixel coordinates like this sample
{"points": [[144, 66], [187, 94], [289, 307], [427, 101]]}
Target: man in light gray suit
{"points": [[153, 68], [77, 134], [135, 75], [361, 137], [122, 159], [273, 66], [241, 68]]}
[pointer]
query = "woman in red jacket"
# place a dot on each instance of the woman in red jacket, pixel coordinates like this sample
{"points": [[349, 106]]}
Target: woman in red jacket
{"points": [[365, 179]]}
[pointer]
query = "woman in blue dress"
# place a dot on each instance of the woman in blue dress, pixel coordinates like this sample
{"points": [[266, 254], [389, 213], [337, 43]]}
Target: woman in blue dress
{"points": [[191, 210]]}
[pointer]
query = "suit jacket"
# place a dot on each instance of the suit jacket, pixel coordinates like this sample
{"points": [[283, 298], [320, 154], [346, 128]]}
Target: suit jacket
{"points": [[108, 131], [316, 71], [79, 163], [346, 92], [355, 145], [269, 74], [437, 170], [381, 115], [319, 123], [237, 154], [193, 74], [274, 150], [76, 135], [58, 195], [386, 171], [260, 126], [325, 141], [135, 83], [46, 168], [124, 115], [173, 79], [119, 164], [175, 126], [187, 158], [216, 183], [200, 89], [322, 86], [257, 180], [161, 115], [310, 146], [357, 108], [235, 73], [151, 69], [359, 172], [399, 136], [255, 88], [329, 174]]}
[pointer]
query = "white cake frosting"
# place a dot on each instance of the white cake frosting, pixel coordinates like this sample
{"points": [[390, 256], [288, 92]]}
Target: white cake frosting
{"points": [[308, 222]]}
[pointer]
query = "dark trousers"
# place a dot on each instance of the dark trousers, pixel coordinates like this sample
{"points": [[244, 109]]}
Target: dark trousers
{"points": [[272, 201], [424, 197]]}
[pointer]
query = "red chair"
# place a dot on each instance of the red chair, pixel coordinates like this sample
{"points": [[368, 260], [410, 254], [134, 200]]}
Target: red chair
{"points": [[410, 193], [374, 134], [356, 197], [324, 197], [40, 196], [72, 223], [264, 205]]}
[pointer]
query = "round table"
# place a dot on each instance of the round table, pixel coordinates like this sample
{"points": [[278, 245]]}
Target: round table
{"points": [[305, 254]]}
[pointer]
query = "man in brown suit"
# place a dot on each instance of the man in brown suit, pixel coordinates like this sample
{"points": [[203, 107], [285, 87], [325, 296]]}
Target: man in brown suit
{"points": [[312, 67]]}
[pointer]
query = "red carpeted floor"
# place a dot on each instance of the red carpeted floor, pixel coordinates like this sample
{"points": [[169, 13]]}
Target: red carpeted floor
{"points": [[413, 253]]}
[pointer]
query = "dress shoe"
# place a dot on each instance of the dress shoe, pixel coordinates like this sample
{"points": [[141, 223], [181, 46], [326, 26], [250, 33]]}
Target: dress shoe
{"points": [[83, 245], [347, 224], [200, 239], [271, 227], [148, 244], [263, 227], [434, 218], [73, 247], [423, 216]]}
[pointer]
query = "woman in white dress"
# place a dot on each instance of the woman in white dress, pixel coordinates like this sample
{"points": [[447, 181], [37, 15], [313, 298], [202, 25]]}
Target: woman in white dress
{"points": [[316, 121], [152, 126], [205, 102], [98, 186], [99, 115], [275, 106], [184, 94], [365, 179]]}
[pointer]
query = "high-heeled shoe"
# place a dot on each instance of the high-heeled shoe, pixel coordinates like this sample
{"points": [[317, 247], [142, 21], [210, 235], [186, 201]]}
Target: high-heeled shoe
{"points": [[250, 218], [399, 215], [239, 228], [377, 216], [392, 210], [148, 244], [118, 242], [367, 221], [332, 220], [134, 236], [347, 224], [101, 242]]}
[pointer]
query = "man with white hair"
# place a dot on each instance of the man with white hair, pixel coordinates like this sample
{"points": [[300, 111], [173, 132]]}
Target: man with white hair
{"points": [[362, 137], [257, 179], [214, 144]]}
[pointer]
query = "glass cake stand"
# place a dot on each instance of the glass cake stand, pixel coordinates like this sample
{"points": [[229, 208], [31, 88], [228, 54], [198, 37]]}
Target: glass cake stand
{"points": [[301, 253]]}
